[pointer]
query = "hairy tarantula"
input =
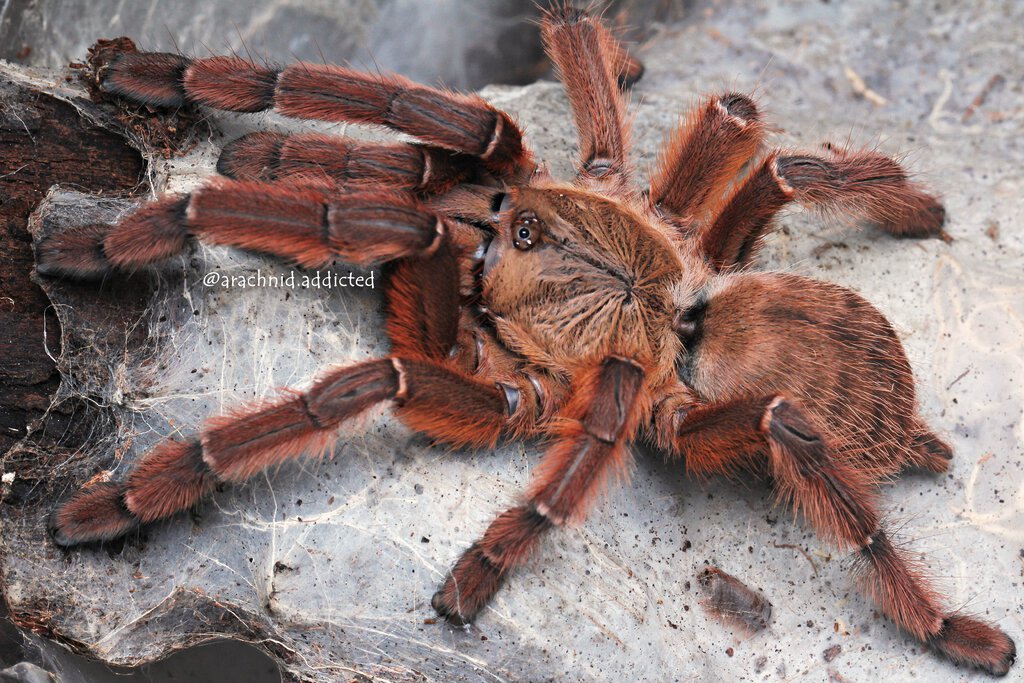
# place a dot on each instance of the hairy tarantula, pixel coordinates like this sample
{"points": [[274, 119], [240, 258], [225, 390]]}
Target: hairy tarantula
{"points": [[587, 312]]}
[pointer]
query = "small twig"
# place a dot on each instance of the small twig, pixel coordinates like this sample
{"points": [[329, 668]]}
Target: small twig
{"points": [[15, 171], [861, 88], [960, 377], [991, 85], [790, 546]]}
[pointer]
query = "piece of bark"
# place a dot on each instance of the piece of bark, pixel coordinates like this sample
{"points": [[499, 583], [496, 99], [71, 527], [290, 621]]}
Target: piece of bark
{"points": [[45, 139]]}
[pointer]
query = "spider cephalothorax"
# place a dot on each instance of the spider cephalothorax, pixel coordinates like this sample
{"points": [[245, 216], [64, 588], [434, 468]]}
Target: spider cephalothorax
{"points": [[571, 274], [586, 312]]}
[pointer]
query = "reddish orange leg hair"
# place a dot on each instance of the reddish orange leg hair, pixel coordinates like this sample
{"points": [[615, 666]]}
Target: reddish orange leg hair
{"points": [[347, 162], [704, 154], [589, 61], [423, 305], [431, 396], [863, 184], [463, 123], [628, 68], [839, 503], [310, 225], [591, 442], [175, 475]]}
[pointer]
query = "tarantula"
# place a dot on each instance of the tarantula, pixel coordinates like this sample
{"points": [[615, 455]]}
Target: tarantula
{"points": [[586, 312]]}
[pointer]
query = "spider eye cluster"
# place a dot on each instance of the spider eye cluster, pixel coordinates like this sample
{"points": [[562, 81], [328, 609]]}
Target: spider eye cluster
{"points": [[526, 229]]}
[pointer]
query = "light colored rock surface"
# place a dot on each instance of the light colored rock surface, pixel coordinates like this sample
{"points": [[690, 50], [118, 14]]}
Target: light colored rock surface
{"points": [[341, 581]]}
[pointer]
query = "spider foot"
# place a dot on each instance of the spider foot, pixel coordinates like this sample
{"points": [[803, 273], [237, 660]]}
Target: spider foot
{"points": [[924, 217], [94, 250], [76, 253], [97, 513], [935, 454], [468, 588], [252, 156], [450, 614], [970, 641], [150, 78]]}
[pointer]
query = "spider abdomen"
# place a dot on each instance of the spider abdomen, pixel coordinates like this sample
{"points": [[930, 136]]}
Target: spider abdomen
{"points": [[764, 334]]}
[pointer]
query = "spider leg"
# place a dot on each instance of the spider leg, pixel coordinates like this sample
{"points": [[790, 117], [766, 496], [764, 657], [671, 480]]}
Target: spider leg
{"points": [[423, 312], [933, 453], [308, 224], [864, 184], [463, 123], [423, 302], [589, 61], [703, 156], [591, 442], [175, 475], [838, 501], [477, 205], [346, 162]]}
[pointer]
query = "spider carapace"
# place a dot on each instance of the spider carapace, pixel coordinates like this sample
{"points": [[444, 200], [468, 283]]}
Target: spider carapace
{"points": [[587, 312]]}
